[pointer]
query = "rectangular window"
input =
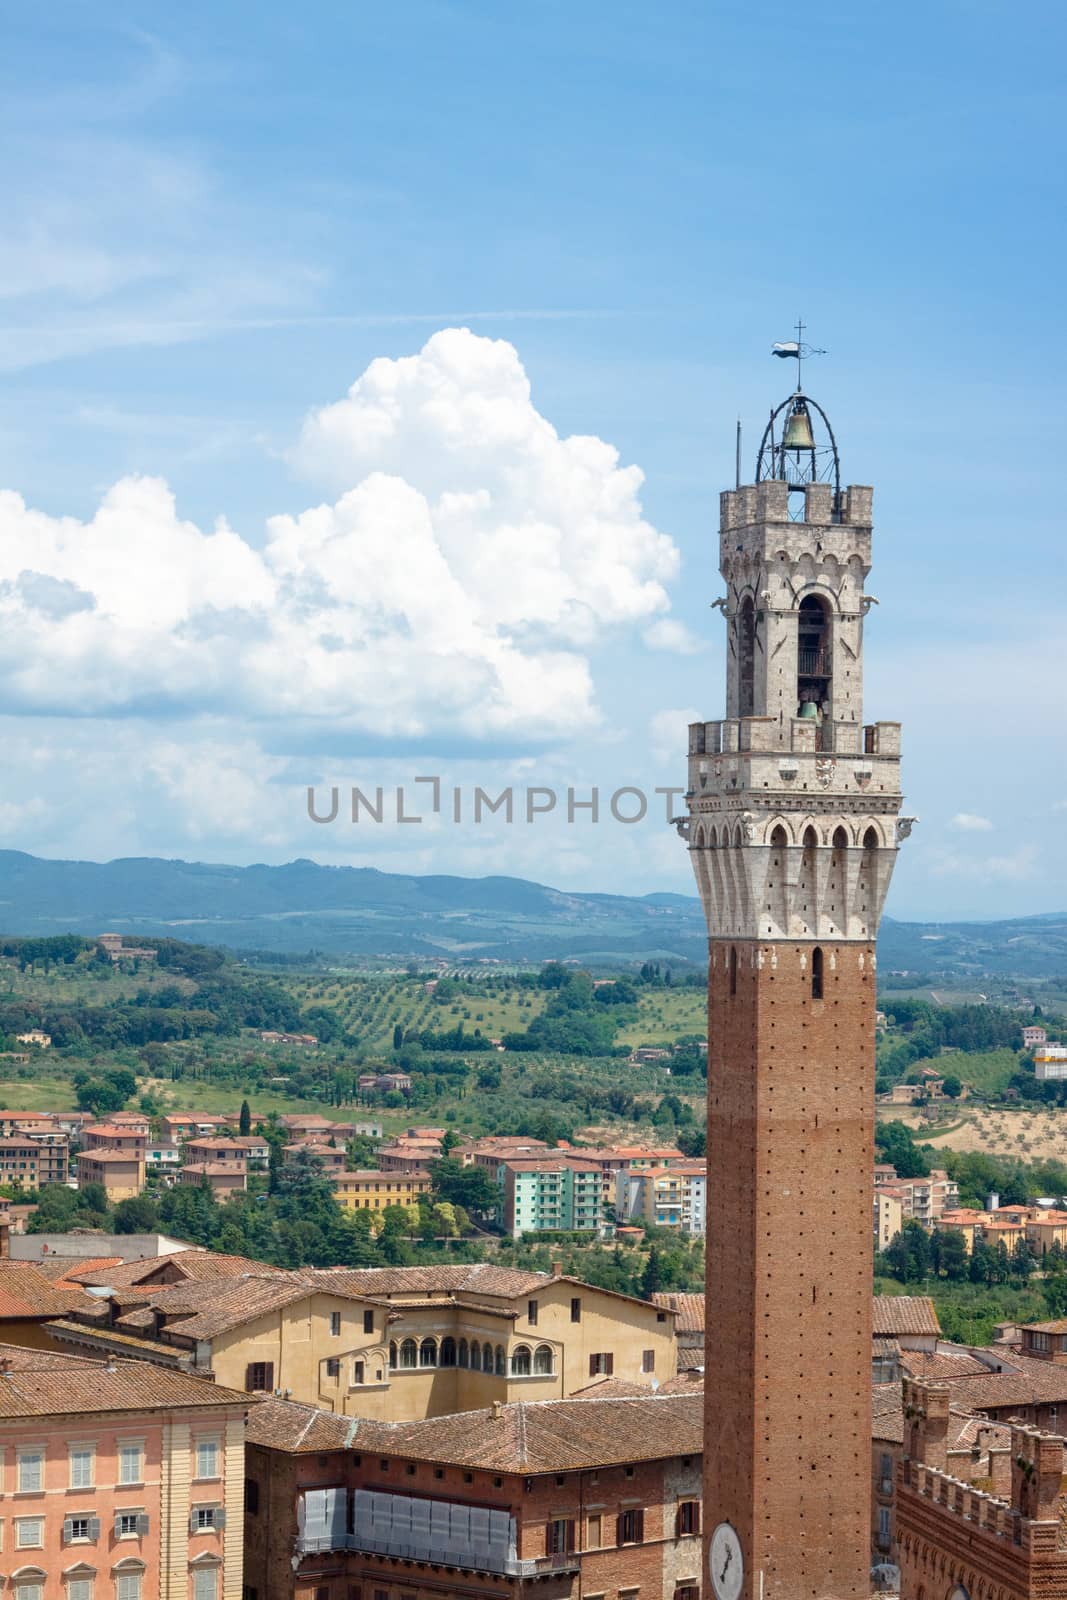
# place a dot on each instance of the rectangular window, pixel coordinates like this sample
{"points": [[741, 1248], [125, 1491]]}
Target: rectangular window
{"points": [[75, 1528], [259, 1377], [128, 1524], [77, 1589], [128, 1586], [322, 1592], [131, 1462], [559, 1537], [368, 1322], [688, 1520], [207, 1458], [335, 1323], [29, 1533], [883, 1523], [687, 1591], [593, 1533], [531, 1313], [576, 1309], [30, 1474], [333, 1367], [252, 1497], [203, 1519], [602, 1364], [648, 1361], [631, 1527], [81, 1459], [206, 1584], [358, 1371]]}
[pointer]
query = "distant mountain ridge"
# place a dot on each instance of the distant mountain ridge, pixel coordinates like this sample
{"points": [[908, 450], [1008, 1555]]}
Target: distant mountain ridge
{"points": [[360, 911]]}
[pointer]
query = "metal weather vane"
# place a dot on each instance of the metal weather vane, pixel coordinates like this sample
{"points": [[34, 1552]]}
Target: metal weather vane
{"points": [[796, 350]]}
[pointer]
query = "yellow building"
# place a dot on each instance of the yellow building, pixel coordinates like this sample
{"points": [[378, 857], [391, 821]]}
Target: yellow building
{"points": [[396, 1344], [120, 1172], [371, 1190]]}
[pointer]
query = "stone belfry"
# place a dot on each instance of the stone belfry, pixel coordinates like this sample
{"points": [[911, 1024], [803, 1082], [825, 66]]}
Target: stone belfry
{"points": [[793, 828]]}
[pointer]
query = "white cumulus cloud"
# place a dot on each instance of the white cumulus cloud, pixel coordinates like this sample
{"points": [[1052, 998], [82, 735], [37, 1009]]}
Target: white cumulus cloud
{"points": [[468, 562], [969, 822]]}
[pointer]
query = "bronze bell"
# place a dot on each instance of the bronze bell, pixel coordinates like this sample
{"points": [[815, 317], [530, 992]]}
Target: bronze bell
{"points": [[798, 434]]}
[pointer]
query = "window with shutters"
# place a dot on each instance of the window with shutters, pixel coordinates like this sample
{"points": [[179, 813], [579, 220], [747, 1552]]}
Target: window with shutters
{"points": [[687, 1591], [631, 1527], [648, 1361], [559, 1537], [206, 1583], [78, 1589], [602, 1364], [81, 1459], [335, 1323], [368, 1322], [688, 1519], [207, 1458], [205, 1519], [29, 1533], [80, 1529], [131, 1461], [252, 1497], [259, 1377], [128, 1586], [594, 1532], [29, 1589], [333, 1367], [576, 1309], [30, 1471]]}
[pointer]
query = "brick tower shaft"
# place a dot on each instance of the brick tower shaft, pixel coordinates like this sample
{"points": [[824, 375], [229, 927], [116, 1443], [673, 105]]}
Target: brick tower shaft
{"points": [[793, 827]]}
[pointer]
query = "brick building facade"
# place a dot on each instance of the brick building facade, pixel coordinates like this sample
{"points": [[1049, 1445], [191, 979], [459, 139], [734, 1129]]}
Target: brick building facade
{"points": [[590, 1498]]}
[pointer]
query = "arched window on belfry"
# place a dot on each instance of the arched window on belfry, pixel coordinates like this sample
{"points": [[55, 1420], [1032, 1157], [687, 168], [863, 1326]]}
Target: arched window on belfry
{"points": [[746, 658]]}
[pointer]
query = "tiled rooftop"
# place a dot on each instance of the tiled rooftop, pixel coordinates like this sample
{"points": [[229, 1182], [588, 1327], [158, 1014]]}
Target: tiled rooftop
{"points": [[40, 1384], [543, 1436]]}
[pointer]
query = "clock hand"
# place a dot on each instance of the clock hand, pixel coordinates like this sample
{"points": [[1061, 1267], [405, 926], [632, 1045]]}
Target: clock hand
{"points": [[726, 1566]]}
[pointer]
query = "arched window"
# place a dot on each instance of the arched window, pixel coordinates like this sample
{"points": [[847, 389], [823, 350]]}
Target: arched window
{"points": [[487, 1357], [520, 1361], [746, 657], [814, 666], [816, 974], [542, 1363], [501, 1363], [428, 1353], [870, 840], [448, 1352], [409, 1354], [464, 1358], [392, 1355], [733, 969], [840, 839], [476, 1356]]}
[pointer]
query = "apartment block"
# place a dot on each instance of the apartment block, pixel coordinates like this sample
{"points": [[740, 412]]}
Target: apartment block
{"points": [[372, 1190], [664, 1197], [924, 1199], [121, 1173], [551, 1193], [118, 1479], [33, 1162]]}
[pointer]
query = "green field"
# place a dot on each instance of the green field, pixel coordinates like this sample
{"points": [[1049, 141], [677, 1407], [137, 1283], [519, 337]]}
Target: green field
{"points": [[665, 1015]]}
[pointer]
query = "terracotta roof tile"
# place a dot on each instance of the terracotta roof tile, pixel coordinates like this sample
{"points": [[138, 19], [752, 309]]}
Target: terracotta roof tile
{"points": [[39, 1384], [529, 1437], [26, 1292], [905, 1314], [689, 1308]]}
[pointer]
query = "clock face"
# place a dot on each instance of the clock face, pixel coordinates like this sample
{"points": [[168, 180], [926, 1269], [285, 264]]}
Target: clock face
{"points": [[725, 1563]]}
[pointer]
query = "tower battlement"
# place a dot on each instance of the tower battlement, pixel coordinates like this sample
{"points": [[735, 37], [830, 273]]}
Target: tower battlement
{"points": [[768, 502]]}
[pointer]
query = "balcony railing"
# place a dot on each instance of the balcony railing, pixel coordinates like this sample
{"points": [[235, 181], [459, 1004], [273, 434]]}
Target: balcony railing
{"points": [[814, 663]]}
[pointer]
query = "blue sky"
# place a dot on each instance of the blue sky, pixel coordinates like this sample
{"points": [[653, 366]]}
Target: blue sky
{"points": [[219, 217]]}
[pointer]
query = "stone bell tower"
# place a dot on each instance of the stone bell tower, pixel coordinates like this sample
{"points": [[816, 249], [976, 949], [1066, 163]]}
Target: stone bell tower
{"points": [[793, 829]]}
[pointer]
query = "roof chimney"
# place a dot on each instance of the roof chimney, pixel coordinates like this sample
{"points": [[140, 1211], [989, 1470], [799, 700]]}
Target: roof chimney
{"points": [[557, 1269], [495, 1410]]}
